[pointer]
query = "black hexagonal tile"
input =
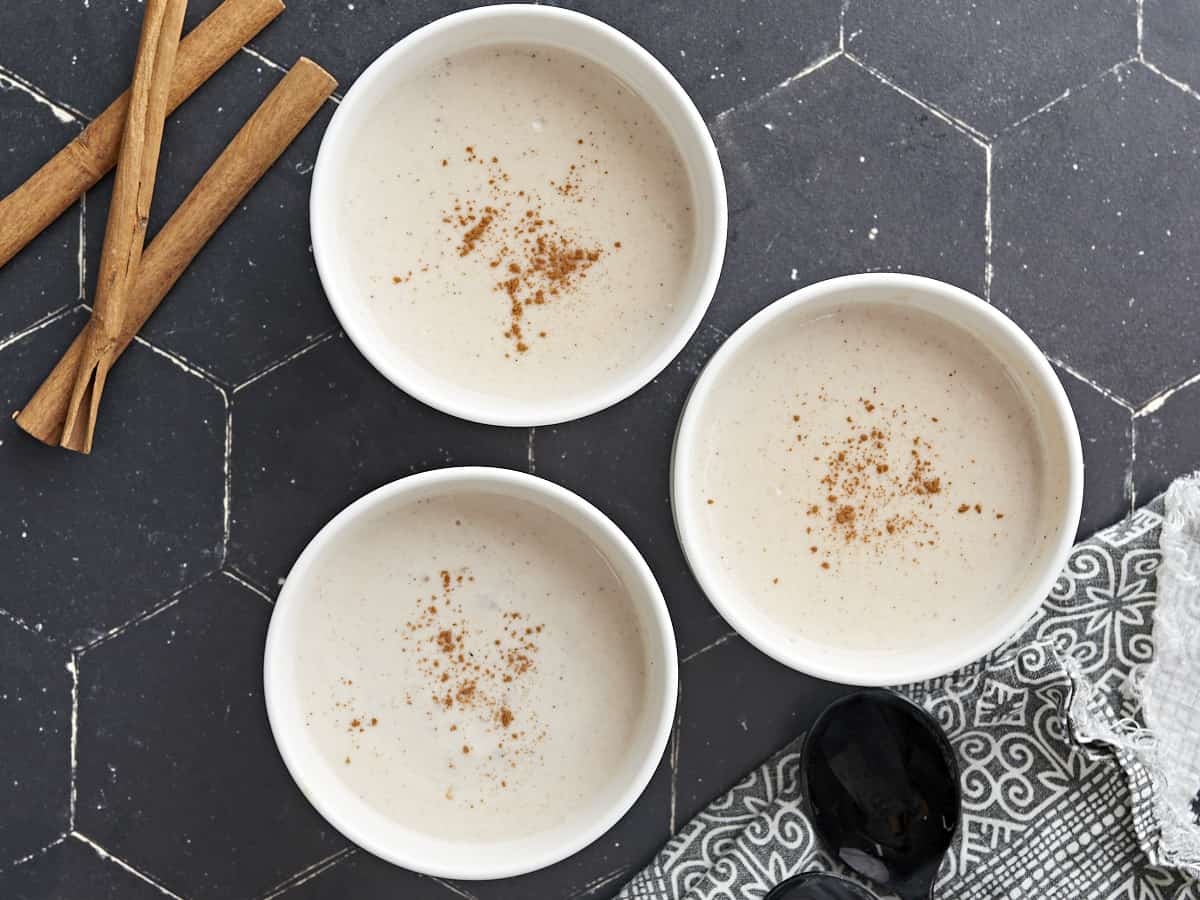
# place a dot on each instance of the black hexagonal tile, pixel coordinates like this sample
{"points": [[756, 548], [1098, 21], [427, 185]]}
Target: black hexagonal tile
{"points": [[991, 63], [726, 56], [815, 191], [731, 52], [352, 32], [35, 709], [362, 876], [1171, 38], [89, 542], [45, 275], [1106, 432], [1167, 442], [738, 707], [177, 702], [1097, 232], [71, 870], [252, 296], [79, 54], [323, 430], [620, 460]]}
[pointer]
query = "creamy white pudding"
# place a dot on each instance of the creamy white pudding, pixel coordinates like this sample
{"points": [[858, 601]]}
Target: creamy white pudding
{"points": [[471, 666], [519, 223], [872, 478]]}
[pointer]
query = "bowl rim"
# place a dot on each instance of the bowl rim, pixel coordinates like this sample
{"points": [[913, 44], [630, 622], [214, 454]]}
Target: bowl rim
{"points": [[646, 594], [708, 177], [960, 653]]}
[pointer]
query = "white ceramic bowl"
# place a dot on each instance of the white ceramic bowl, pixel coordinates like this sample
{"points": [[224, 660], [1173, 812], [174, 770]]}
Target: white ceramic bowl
{"points": [[1051, 411], [384, 837], [525, 25]]}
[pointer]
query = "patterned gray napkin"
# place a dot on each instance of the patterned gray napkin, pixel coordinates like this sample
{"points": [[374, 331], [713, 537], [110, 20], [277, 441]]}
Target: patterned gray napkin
{"points": [[1065, 791]]}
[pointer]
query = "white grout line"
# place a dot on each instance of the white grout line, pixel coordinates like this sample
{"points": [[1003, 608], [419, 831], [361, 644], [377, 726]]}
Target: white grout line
{"points": [[1141, 20], [717, 643], [1182, 85], [1045, 107], [1155, 403], [676, 739], [118, 630], [279, 364], [62, 112], [49, 319], [182, 362], [842, 26], [746, 104], [35, 630], [1130, 483], [987, 224], [1079, 376], [262, 58], [454, 889], [529, 452], [227, 486], [597, 883], [83, 247], [34, 855], [335, 97], [973, 133], [234, 575], [309, 873], [1050, 104], [105, 855], [73, 668]]}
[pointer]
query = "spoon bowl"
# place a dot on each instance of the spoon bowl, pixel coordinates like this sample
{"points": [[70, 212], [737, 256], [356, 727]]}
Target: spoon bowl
{"points": [[880, 781]]}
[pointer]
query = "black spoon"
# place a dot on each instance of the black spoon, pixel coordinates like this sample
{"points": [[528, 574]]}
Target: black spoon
{"points": [[880, 783]]}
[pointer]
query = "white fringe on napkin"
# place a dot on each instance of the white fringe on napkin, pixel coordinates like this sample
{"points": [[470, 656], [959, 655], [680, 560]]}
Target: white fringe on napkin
{"points": [[1162, 741], [1171, 684]]}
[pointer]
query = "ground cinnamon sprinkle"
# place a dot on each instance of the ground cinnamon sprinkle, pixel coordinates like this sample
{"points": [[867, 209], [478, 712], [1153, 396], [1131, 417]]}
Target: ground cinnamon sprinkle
{"points": [[862, 485], [471, 238], [475, 668], [541, 259]]}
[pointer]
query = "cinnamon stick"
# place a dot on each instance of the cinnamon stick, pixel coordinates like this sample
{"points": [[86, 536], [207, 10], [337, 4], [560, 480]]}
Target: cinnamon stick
{"points": [[259, 143], [68, 174], [128, 213]]}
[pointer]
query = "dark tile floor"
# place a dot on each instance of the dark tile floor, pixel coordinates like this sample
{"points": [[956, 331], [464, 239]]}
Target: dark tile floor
{"points": [[1042, 154]]}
